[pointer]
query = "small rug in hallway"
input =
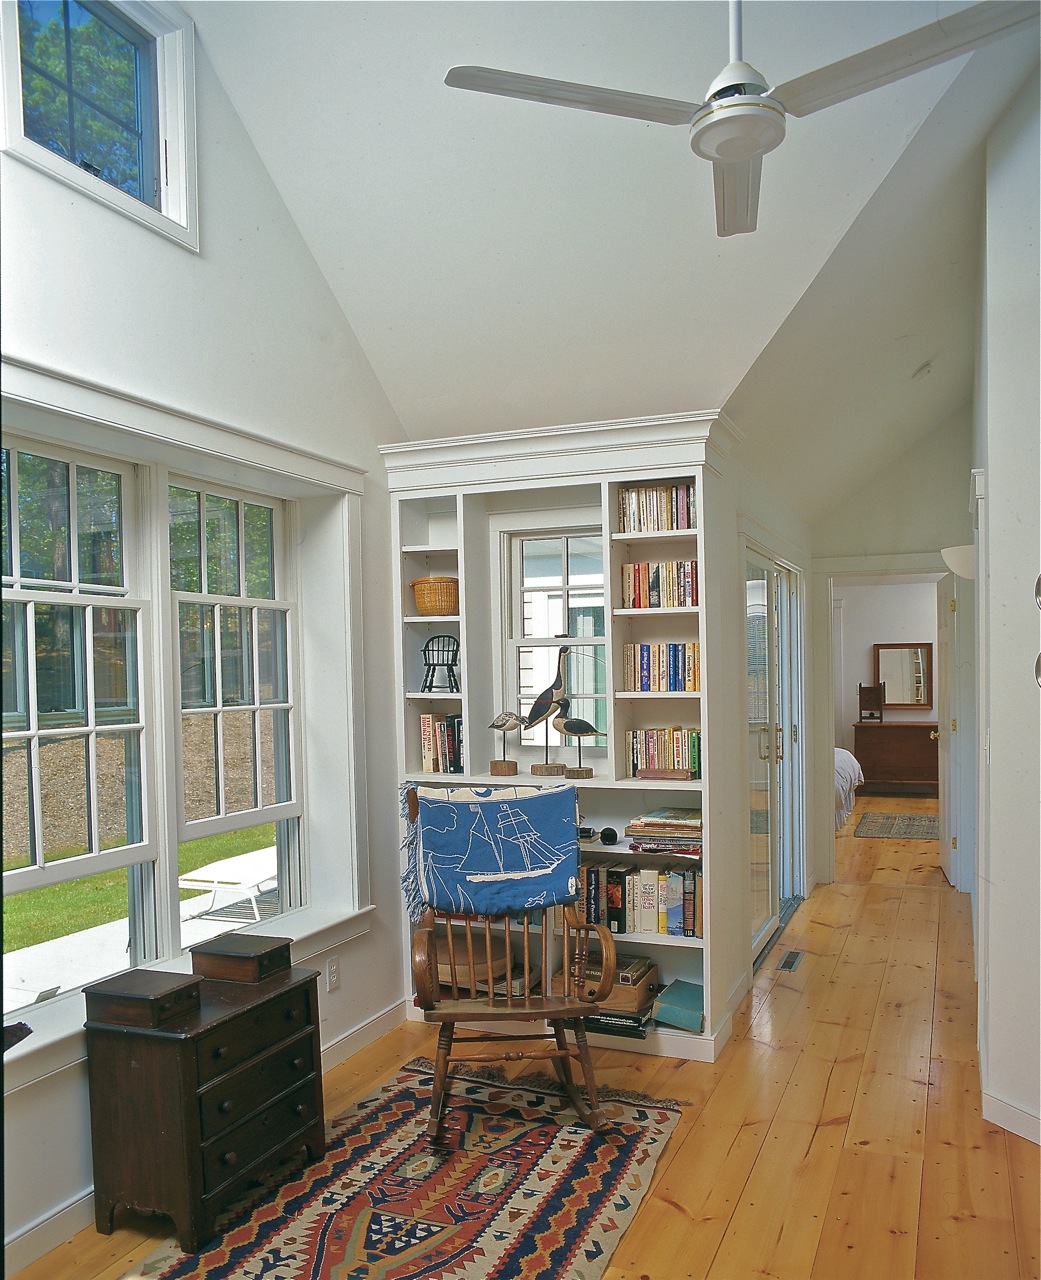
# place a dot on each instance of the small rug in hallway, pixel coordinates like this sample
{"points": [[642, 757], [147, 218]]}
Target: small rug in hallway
{"points": [[899, 826], [515, 1192]]}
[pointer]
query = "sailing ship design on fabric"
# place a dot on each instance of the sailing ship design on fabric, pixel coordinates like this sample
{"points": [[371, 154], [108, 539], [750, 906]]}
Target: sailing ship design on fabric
{"points": [[496, 855]]}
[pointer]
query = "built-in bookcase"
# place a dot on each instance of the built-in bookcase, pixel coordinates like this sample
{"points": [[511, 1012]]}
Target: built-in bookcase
{"points": [[648, 490]]}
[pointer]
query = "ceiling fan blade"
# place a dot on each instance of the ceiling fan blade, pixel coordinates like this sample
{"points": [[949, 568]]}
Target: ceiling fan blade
{"points": [[737, 195], [562, 93], [926, 47]]}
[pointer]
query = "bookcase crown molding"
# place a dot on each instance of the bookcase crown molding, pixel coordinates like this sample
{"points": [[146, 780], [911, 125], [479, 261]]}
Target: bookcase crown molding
{"points": [[556, 455]]}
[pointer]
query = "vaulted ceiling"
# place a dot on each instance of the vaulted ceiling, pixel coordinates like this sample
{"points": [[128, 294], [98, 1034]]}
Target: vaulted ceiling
{"points": [[507, 264]]}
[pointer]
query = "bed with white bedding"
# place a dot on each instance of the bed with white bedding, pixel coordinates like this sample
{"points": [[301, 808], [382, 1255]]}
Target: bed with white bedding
{"points": [[848, 776]]}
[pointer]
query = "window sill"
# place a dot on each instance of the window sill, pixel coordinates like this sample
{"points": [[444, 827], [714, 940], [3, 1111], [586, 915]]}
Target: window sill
{"points": [[57, 1041]]}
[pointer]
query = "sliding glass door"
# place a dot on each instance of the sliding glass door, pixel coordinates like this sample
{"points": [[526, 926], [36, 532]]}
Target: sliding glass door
{"points": [[774, 807]]}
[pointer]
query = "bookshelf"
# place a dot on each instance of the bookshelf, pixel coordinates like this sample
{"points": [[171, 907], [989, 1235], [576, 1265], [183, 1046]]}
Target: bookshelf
{"points": [[648, 491]]}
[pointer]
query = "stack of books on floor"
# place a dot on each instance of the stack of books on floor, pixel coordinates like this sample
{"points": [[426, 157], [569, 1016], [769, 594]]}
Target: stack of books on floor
{"points": [[627, 1010]]}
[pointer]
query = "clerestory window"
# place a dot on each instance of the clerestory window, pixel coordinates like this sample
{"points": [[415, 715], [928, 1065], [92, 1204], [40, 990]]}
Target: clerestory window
{"points": [[90, 91], [100, 95]]}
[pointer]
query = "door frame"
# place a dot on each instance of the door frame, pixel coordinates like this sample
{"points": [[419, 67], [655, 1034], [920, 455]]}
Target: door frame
{"points": [[822, 683]]}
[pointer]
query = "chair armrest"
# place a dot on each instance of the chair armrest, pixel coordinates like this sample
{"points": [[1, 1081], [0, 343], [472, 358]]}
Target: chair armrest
{"points": [[607, 952], [424, 968]]}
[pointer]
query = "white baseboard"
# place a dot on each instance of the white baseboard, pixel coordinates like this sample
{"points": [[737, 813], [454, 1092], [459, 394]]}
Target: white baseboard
{"points": [[379, 1024], [43, 1236], [1012, 1118]]}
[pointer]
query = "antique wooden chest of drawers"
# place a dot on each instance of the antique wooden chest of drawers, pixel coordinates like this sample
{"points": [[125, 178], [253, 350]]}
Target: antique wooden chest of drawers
{"points": [[186, 1113], [898, 751]]}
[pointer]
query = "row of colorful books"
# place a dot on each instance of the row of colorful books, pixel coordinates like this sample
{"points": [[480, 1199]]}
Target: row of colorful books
{"points": [[662, 668], [663, 748], [666, 899], [441, 743], [659, 584], [657, 508]]}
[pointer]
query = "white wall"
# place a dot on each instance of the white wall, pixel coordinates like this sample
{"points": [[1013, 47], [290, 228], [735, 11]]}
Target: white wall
{"points": [[866, 615], [1008, 445], [915, 503], [246, 333]]}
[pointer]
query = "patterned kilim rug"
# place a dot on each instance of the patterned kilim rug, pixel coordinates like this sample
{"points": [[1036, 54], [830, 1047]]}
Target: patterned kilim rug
{"points": [[515, 1193], [899, 826]]}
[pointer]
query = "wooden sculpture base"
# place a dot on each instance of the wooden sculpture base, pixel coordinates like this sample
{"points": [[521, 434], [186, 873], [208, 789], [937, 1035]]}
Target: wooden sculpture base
{"points": [[580, 771], [502, 768], [547, 770]]}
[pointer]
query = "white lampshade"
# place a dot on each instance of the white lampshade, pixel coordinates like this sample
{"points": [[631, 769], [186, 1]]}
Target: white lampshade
{"points": [[960, 560]]}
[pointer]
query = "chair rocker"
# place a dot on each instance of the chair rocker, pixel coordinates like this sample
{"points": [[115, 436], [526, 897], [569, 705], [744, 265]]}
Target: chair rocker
{"points": [[480, 970]]}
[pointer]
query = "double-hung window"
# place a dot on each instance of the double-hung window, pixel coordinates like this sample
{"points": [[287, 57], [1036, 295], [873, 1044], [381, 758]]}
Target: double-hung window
{"points": [[100, 95], [74, 735], [557, 602], [234, 670]]}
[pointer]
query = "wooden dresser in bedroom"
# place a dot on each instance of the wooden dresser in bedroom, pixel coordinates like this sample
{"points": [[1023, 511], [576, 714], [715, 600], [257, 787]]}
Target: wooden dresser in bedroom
{"points": [[899, 752]]}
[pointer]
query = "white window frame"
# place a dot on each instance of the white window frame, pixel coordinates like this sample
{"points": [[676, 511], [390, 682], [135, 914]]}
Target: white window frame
{"points": [[505, 534], [87, 595], [177, 217]]}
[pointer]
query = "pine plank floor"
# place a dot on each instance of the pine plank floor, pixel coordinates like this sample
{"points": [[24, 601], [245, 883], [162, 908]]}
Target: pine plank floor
{"points": [[839, 1136]]}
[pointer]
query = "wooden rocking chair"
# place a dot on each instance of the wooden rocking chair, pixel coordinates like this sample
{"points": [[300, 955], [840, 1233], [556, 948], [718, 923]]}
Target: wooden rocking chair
{"points": [[479, 969]]}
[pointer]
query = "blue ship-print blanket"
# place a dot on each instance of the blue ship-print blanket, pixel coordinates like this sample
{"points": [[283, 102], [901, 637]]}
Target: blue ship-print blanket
{"points": [[497, 855]]}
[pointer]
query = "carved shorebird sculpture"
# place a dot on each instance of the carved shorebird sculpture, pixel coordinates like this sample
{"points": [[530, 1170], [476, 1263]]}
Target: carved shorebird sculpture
{"points": [[566, 725], [548, 700], [506, 722]]}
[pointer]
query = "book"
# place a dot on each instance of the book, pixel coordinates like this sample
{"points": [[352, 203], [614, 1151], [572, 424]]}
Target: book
{"points": [[674, 902], [426, 743], [689, 895], [648, 910], [681, 1004], [615, 877], [616, 1023]]}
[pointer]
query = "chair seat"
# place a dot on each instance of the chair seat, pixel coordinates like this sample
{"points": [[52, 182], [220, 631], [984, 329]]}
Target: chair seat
{"points": [[498, 1008]]}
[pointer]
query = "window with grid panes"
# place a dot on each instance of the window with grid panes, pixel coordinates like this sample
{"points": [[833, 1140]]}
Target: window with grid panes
{"points": [[558, 602]]}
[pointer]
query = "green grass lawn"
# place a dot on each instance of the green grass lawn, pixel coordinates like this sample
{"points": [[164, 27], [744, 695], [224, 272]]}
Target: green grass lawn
{"points": [[58, 910]]}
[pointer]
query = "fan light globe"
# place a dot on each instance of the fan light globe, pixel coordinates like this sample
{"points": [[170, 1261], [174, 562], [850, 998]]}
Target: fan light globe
{"points": [[732, 130]]}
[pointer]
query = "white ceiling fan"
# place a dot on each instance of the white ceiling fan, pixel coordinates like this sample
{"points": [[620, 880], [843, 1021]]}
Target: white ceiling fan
{"points": [[742, 118]]}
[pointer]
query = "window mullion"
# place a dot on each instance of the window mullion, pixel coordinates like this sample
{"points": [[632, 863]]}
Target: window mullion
{"points": [[32, 710], [93, 815]]}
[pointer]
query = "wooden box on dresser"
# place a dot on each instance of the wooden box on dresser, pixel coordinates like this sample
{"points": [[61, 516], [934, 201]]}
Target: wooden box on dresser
{"points": [[192, 1098], [457, 504]]}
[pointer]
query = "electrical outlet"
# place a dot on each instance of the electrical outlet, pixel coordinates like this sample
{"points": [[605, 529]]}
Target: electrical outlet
{"points": [[332, 973]]}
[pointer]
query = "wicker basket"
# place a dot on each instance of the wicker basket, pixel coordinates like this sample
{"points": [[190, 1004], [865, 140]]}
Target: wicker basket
{"points": [[436, 597]]}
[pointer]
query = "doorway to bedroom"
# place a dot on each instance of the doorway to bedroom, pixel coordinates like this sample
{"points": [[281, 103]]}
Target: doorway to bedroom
{"points": [[873, 614]]}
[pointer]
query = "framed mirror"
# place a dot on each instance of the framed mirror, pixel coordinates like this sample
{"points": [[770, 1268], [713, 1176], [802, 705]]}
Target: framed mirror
{"points": [[907, 672]]}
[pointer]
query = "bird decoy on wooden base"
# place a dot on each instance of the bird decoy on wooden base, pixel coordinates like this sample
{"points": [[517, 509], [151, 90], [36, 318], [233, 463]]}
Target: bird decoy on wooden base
{"points": [[569, 727], [506, 722], [543, 707]]}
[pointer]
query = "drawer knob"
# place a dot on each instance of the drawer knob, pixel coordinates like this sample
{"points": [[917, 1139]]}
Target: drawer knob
{"points": [[292, 1015], [221, 1051], [299, 1109], [229, 1158], [226, 1106], [298, 1064]]}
